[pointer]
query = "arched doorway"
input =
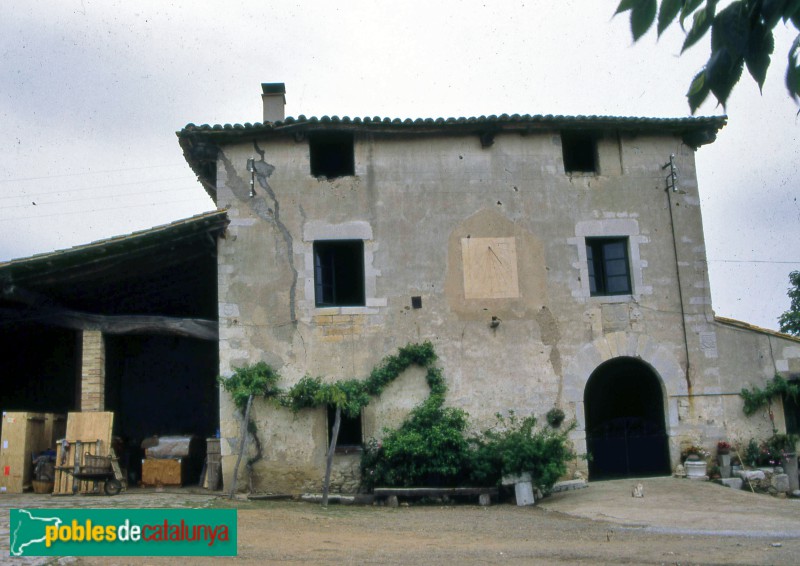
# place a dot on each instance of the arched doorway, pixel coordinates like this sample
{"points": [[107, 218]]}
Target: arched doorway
{"points": [[625, 428]]}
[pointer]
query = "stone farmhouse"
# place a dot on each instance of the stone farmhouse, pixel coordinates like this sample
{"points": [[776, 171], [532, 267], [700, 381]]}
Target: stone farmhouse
{"points": [[553, 261]]}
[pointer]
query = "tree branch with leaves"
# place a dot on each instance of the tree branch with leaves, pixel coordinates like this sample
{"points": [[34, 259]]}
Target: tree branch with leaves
{"points": [[790, 320], [741, 35]]}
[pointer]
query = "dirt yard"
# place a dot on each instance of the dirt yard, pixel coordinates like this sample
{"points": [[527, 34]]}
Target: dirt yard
{"points": [[677, 522], [304, 533]]}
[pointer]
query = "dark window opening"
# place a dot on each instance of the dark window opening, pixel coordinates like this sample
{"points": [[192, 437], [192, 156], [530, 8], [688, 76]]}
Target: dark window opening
{"points": [[580, 152], [339, 273], [332, 154], [349, 429], [609, 273], [791, 413], [416, 302]]}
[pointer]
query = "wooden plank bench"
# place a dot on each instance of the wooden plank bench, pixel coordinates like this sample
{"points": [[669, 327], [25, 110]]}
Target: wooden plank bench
{"points": [[391, 494]]}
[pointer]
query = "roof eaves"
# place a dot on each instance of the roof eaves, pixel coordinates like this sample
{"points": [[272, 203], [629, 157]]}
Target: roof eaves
{"points": [[514, 121], [214, 220], [753, 328]]}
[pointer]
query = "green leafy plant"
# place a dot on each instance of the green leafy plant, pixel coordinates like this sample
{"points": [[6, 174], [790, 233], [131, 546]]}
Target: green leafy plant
{"points": [[428, 449], [431, 449], [741, 36], [781, 444], [756, 398], [246, 383], [258, 380], [769, 452], [752, 453], [555, 417], [352, 395], [790, 320], [516, 446]]}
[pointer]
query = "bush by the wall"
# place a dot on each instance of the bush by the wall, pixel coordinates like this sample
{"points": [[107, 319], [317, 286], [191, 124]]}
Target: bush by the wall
{"points": [[429, 449], [516, 446]]}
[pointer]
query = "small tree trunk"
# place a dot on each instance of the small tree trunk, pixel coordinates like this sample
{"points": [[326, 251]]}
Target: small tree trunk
{"points": [[331, 449], [242, 444]]}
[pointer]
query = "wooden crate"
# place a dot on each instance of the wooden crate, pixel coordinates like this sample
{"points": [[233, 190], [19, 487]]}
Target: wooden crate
{"points": [[213, 450], [23, 434], [212, 470], [162, 471], [55, 428], [93, 430], [72, 458]]}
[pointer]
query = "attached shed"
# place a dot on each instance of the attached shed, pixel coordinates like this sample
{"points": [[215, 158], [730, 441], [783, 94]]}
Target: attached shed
{"points": [[127, 324]]}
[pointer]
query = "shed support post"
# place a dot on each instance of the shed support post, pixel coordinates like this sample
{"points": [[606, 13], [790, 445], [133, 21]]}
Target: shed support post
{"points": [[93, 371]]}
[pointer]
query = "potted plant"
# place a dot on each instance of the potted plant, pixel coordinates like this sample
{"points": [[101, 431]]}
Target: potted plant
{"points": [[694, 453], [555, 417], [695, 462], [782, 451]]}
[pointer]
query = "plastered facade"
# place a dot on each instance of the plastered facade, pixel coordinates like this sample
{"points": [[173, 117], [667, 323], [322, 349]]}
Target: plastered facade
{"points": [[419, 202]]}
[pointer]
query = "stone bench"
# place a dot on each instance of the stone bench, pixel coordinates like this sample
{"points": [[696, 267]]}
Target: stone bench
{"points": [[391, 494]]}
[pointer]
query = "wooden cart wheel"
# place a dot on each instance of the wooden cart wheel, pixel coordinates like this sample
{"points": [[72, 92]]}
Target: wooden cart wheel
{"points": [[113, 486]]}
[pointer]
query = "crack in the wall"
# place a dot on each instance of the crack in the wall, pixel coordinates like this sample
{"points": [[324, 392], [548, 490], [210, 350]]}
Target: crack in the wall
{"points": [[241, 190], [263, 171]]}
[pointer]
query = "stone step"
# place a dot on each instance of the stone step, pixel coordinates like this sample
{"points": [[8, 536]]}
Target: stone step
{"points": [[569, 485], [733, 483]]}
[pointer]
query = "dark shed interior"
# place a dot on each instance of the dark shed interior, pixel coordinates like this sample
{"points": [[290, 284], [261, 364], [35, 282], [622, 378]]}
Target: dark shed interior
{"points": [[153, 294]]}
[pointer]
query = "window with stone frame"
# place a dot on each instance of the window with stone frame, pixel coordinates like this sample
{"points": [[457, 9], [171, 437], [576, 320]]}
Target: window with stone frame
{"points": [[339, 273], [609, 268]]}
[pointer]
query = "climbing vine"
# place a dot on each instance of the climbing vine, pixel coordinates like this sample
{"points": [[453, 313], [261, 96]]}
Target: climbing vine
{"points": [[258, 380], [352, 395], [431, 447], [244, 385], [756, 398]]}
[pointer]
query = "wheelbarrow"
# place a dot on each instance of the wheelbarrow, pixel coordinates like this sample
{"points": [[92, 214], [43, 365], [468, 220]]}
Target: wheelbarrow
{"points": [[97, 469]]}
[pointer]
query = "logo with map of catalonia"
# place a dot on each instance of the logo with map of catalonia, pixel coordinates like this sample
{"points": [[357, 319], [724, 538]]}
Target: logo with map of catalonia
{"points": [[123, 532]]}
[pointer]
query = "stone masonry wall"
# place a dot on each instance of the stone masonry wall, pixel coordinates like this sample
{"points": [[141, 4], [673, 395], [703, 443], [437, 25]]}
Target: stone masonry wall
{"points": [[425, 208]]}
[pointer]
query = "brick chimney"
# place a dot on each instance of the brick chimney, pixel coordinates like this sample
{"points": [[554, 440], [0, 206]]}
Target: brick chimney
{"points": [[274, 99]]}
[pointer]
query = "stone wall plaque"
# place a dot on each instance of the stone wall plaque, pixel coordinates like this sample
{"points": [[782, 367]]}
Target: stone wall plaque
{"points": [[490, 268]]}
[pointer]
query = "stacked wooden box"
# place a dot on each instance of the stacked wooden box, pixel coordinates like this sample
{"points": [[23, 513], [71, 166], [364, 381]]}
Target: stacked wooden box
{"points": [[24, 434], [170, 461]]}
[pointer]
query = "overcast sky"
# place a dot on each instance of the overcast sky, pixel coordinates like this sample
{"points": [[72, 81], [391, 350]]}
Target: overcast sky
{"points": [[93, 92]]}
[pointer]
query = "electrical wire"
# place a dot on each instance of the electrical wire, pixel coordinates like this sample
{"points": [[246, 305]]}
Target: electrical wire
{"points": [[27, 195], [750, 261], [97, 210], [19, 179], [96, 197]]}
